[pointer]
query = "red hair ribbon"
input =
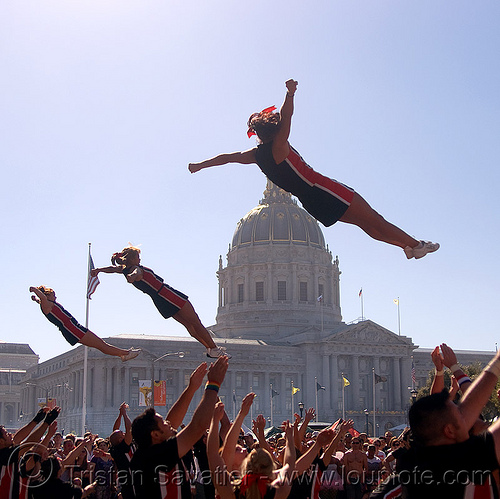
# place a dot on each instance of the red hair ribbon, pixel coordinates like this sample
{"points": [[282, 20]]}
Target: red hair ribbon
{"points": [[250, 132], [250, 479]]}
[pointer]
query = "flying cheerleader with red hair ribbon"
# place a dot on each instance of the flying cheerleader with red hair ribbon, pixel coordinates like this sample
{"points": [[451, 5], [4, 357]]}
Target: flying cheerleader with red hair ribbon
{"points": [[324, 198]]}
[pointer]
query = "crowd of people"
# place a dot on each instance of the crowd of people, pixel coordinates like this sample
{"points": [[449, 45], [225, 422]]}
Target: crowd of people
{"points": [[448, 451]]}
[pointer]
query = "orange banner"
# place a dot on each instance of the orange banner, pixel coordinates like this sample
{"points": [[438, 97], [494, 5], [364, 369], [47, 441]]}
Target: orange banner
{"points": [[160, 393]]}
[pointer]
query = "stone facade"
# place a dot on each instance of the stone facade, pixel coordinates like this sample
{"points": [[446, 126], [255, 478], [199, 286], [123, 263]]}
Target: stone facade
{"points": [[15, 360]]}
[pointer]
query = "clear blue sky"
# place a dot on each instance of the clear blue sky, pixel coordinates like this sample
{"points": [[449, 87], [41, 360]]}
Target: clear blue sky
{"points": [[104, 103]]}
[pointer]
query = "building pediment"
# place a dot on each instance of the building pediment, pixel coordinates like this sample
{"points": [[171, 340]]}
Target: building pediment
{"points": [[367, 333]]}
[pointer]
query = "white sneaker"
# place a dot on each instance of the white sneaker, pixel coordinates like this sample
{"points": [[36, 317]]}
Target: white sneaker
{"points": [[423, 248], [408, 252], [217, 352], [132, 354]]}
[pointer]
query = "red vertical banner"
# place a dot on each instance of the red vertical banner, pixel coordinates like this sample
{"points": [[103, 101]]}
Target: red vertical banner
{"points": [[160, 393]]}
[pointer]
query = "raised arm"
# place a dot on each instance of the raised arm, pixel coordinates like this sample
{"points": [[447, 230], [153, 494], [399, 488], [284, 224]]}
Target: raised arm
{"points": [[281, 148], [23, 432], [450, 361], [118, 420], [340, 430], [258, 425], [309, 416], [285, 474], [178, 410], [128, 426], [438, 381], [243, 158], [479, 392], [40, 297], [324, 439], [218, 469], [200, 421], [232, 436]]}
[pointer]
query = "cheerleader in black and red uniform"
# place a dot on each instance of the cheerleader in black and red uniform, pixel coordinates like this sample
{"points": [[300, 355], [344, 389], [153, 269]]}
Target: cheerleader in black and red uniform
{"points": [[168, 301], [325, 199], [72, 331]]}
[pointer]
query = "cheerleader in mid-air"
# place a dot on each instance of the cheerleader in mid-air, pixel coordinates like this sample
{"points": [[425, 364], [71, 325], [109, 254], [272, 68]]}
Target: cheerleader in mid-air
{"points": [[168, 301], [324, 198], [72, 331]]}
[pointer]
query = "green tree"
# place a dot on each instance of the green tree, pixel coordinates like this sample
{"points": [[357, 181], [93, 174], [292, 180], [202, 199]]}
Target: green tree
{"points": [[491, 409]]}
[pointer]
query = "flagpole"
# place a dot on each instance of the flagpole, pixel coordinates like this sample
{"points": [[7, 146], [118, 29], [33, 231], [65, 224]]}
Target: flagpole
{"points": [[85, 349], [362, 308], [234, 405], [343, 397], [373, 380], [271, 394], [316, 386], [399, 320], [251, 406]]}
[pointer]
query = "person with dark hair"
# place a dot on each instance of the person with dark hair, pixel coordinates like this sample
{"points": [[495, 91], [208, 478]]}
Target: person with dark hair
{"points": [[157, 469], [13, 483], [168, 301], [72, 331], [443, 460], [50, 485], [325, 199]]}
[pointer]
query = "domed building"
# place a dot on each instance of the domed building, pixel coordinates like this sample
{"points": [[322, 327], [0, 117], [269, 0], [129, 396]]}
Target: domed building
{"points": [[280, 277], [279, 317]]}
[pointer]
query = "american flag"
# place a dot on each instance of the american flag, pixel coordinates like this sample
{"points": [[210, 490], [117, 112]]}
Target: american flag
{"points": [[93, 281], [413, 375]]}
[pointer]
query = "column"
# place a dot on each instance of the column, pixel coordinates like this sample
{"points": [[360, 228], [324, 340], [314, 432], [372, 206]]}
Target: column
{"points": [[397, 383], [376, 395], [266, 394], [78, 399], [405, 370], [355, 383], [108, 373], [334, 383], [324, 395], [283, 394], [246, 285], [294, 285], [269, 297]]}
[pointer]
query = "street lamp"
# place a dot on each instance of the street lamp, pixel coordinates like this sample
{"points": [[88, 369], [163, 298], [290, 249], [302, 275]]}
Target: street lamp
{"points": [[301, 409], [413, 394], [155, 359]]}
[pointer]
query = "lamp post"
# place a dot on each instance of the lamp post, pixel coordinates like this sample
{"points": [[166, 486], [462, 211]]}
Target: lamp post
{"points": [[154, 360], [301, 409]]}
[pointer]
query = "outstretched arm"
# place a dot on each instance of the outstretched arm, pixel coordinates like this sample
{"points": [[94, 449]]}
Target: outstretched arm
{"points": [[281, 147], [112, 269], [244, 158], [40, 297]]}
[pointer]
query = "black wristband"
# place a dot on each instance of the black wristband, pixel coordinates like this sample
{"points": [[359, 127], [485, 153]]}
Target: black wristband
{"points": [[51, 416], [39, 416]]}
